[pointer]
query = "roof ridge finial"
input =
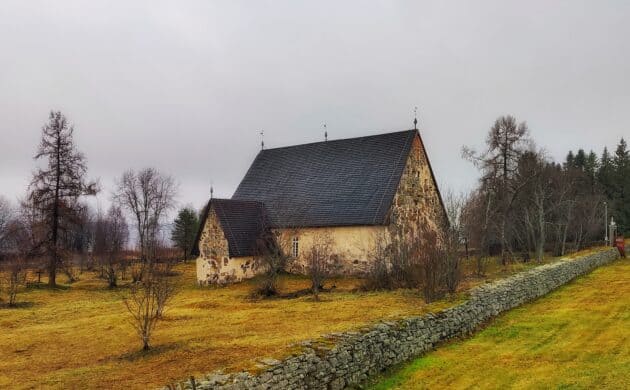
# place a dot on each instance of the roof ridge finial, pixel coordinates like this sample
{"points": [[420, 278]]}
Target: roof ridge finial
{"points": [[325, 133], [415, 118], [262, 139], [211, 191]]}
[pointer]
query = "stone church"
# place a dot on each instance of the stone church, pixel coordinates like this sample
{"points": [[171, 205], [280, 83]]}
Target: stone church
{"points": [[349, 188]]}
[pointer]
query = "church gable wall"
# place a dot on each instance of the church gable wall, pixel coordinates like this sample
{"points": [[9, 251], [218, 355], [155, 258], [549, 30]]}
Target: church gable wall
{"points": [[417, 199], [214, 264]]}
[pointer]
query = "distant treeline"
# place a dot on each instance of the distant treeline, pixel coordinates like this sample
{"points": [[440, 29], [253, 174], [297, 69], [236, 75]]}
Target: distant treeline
{"points": [[526, 203], [609, 175]]}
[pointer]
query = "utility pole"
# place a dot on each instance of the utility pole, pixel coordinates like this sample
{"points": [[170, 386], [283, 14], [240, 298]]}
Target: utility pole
{"points": [[613, 231], [606, 222]]}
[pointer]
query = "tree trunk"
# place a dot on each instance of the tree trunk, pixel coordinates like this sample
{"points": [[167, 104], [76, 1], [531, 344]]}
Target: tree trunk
{"points": [[504, 243], [54, 258], [540, 250], [504, 198]]}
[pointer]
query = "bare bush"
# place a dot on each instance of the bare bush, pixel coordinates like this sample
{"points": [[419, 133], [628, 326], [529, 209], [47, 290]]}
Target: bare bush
{"points": [[378, 276], [412, 259], [147, 300], [272, 256], [429, 258], [403, 267], [14, 278], [320, 261], [396, 262]]}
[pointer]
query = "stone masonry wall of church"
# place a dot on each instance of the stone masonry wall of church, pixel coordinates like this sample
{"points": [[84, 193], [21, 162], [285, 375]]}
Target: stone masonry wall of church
{"points": [[214, 265], [417, 199]]}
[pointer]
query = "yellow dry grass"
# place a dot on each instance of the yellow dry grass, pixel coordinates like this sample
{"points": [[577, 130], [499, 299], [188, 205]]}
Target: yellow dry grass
{"points": [[79, 336]]}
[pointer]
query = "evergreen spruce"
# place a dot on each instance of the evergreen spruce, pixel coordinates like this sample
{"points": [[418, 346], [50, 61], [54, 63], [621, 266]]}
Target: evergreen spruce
{"points": [[185, 229]]}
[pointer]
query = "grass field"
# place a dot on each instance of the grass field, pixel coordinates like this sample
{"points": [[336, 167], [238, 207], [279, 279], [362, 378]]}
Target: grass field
{"points": [[575, 338], [78, 336]]}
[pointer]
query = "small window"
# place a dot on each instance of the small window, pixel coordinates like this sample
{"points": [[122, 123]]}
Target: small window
{"points": [[295, 247]]}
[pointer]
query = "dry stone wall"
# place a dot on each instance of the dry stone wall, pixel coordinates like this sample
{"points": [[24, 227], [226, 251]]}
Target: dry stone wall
{"points": [[351, 358]]}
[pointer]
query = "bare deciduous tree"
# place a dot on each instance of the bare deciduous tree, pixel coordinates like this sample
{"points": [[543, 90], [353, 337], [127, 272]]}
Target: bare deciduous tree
{"points": [[478, 227], [111, 234], [148, 196], [507, 140], [451, 238], [16, 248], [6, 215], [55, 189]]}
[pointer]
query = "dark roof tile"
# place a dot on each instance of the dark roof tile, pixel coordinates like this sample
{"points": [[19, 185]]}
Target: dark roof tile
{"points": [[334, 183]]}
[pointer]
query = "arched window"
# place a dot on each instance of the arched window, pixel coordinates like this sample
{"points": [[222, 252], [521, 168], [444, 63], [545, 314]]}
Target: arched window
{"points": [[295, 247]]}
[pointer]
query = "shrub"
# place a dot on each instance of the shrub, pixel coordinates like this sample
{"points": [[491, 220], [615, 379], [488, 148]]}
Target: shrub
{"points": [[147, 300]]}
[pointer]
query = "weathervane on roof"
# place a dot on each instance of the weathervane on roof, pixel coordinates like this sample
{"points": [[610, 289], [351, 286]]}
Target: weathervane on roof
{"points": [[415, 118], [325, 133], [211, 191], [262, 139]]}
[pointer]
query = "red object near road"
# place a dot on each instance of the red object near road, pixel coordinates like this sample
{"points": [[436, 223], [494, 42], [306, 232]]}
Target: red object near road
{"points": [[621, 245]]}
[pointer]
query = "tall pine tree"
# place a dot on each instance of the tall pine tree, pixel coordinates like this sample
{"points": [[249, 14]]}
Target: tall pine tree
{"points": [[590, 169], [605, 174], [580, 160], [570, 160]]}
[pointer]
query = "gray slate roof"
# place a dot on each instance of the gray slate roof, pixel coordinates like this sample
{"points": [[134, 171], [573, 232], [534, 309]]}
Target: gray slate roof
{"points": [[335, 183]]}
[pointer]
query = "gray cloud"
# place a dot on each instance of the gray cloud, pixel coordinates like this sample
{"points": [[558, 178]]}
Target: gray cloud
{"points": [[187, 86]]}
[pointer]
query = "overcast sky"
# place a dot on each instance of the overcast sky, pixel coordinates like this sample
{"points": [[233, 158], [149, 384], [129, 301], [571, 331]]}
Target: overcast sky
{"points": [[187, 86]]}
